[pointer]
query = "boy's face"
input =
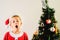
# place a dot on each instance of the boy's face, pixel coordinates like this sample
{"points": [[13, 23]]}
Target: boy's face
{"points": [[15, 23]]}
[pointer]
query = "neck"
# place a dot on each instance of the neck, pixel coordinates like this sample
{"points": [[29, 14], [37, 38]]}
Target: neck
{"points": [[16, 32]]}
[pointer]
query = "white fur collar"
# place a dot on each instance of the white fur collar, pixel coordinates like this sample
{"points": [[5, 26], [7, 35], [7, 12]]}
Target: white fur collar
{"points": [[16, 35]]}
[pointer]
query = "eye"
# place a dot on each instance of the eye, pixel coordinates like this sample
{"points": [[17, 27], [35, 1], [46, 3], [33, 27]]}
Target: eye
{"points": [[17, 21]]}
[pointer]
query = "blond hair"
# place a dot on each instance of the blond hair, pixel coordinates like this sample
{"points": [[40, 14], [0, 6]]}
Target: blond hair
{"points": [[16, 16]]}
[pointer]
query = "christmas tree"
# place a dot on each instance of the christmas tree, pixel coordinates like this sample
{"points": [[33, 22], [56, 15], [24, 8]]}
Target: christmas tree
{"points": [[47, 29]]}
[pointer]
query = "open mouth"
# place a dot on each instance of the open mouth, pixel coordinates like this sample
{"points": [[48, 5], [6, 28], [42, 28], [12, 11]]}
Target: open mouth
{"points": [[16, 26]]}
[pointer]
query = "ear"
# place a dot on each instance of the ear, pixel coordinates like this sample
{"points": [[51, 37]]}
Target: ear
{"points": [[20, 23]]}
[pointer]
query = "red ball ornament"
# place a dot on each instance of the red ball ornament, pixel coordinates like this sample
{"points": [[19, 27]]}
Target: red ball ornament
{"points": [[48, 21], [7, 22]]}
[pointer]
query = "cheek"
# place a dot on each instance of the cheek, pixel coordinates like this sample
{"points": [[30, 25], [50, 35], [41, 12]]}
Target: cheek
{"points": [[20, 24], [12, 25]]}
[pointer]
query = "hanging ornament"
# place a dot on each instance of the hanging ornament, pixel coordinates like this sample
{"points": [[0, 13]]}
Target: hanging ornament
{"points": [[41, 33], [52, 29], [42, 24], [48, 21], [43, 29], [56, 29], [36, 32]]}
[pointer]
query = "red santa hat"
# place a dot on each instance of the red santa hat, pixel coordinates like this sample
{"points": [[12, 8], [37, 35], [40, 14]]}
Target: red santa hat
{"points": [[7, 21]]}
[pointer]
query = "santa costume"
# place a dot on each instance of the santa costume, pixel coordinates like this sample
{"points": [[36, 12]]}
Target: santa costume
{"points": [[12, 36]]}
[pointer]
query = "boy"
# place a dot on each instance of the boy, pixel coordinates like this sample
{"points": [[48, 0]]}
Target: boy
{"points": [[16, 34]]}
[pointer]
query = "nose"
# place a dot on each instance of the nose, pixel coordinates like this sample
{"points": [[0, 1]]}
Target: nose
{"points": [[16, 22]]}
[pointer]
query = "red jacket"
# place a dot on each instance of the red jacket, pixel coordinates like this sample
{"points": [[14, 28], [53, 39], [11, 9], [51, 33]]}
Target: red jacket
{"points": [[9, 37]]}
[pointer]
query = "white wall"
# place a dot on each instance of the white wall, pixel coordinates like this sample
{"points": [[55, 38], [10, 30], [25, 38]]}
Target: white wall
{"points": [[30, 12]]}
